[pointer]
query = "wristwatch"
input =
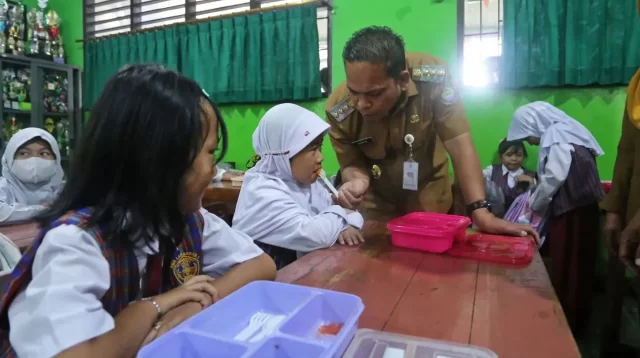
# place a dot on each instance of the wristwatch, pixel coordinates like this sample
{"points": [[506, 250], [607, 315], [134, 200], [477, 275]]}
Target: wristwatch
{"points": [[480, 204]]}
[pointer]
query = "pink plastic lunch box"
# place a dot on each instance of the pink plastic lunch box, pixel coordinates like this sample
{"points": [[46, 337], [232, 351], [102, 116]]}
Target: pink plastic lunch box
{"points": [[429, 232]]}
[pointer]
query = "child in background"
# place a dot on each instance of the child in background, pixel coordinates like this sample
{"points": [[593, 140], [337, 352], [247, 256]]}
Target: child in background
{"points": [[281, 204], [121, 251], [31, 175], [509, 175], [570, 189]]}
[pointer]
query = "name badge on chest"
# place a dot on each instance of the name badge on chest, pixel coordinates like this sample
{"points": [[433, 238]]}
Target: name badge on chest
{"points": [[410, 171], [363, 141]]}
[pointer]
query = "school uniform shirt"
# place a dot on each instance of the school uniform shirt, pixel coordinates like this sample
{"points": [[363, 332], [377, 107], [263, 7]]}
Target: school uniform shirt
{"points": [[21, 200], [273, 207], [293, 216], [61, 305], [552, 176], [511, 179]]}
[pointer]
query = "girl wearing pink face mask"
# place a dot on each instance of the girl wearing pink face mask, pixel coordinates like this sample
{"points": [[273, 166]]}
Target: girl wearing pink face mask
{"points": [[31, 175]]}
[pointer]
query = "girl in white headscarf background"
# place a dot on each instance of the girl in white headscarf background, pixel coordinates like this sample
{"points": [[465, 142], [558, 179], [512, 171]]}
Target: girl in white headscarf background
{"points": [[31, 175], [569, 192], [281, 203]]}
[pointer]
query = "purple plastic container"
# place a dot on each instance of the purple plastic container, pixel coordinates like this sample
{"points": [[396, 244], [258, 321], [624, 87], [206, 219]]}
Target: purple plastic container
{"points": [[211, 333]]}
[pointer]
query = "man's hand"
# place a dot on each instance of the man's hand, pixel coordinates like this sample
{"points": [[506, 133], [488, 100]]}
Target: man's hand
{"points": [[351, 193], [613, 222], [629, 237], [490, 224]]}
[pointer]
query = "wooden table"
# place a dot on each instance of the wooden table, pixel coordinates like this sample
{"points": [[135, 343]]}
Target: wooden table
{"points": [[21, 234], [220, 199], [513, 312], [221, 192]]}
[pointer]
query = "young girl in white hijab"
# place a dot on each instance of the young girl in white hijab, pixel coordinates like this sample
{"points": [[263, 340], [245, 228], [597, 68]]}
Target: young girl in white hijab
{"points": [[31, 175], [569, 190], [281, 204]]}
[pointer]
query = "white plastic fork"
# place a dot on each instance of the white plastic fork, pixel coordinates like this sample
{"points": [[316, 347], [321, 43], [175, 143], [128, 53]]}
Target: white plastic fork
{"points": [[268, 327], [255, 323]]}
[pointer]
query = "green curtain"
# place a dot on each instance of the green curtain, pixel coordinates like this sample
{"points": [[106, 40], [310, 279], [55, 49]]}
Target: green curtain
{"points": [[104, 57], [569, 42], [263, 57]]}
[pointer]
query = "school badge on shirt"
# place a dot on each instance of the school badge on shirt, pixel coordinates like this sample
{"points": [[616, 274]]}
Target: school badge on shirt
{"points": [[185, 266]]}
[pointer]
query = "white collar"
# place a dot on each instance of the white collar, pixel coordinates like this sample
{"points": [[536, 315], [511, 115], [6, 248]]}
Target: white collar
{"points": [[512, 172]]}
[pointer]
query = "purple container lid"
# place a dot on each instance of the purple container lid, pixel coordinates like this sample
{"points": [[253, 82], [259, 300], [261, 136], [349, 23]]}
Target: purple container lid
{"points": [[375, 344]]}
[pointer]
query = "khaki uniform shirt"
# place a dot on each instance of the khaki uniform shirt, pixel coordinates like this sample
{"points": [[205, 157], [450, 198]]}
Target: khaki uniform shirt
{"points": [[431, 111], [624, 197]]}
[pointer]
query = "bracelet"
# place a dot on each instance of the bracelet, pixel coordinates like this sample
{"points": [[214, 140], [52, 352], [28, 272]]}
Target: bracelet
{"points": [[153, 301]]}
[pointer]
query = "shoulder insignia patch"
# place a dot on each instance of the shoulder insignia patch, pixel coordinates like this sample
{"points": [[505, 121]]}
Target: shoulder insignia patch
{"points": [[428, 73], [448, 95], [342, 110]]}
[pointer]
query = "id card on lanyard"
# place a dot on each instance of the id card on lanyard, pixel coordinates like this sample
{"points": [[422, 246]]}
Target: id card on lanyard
{"points": [[410, 170], [410, 175]]}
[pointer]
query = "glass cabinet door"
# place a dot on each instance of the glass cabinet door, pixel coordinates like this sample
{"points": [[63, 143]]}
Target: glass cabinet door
{"points": [[56, 112], [16, 98]]}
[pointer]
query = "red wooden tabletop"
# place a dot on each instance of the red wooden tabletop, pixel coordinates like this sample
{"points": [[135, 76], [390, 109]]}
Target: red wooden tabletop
{"points": [[512, 311], [21, 234]]}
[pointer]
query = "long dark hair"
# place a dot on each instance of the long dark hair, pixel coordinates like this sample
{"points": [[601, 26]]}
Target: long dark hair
{"points": [[144, 134]]}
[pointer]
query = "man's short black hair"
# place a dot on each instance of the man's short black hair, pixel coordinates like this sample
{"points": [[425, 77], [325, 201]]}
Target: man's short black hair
{"points": [[378, 45]]}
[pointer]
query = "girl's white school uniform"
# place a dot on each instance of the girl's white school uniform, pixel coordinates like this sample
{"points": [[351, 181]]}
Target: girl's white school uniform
{"points": [[61, 305], [273, 207], [557, 132], [20, 200]]}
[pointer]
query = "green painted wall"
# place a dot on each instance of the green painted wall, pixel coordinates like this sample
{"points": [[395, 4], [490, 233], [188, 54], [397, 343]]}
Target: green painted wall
{"points": [[427, 27]]}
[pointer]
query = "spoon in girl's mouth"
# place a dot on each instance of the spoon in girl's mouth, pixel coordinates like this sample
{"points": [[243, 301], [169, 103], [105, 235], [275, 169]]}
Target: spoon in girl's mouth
{"points": [[326, 183]]}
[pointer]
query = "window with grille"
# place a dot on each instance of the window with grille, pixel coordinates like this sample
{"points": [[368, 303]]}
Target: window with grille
{"points": [[482, 41], [109, 17]]}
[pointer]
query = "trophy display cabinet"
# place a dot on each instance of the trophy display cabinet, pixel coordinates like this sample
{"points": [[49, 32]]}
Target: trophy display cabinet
{"points": [[43, 94]]}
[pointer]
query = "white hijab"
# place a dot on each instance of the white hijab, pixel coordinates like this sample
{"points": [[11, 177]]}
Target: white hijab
{"points": [[29, 193], [552, 126], [283, 132]]}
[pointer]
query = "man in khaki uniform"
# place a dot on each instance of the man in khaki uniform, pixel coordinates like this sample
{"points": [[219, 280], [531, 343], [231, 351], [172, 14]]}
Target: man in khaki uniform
{"points": [[388, 95]]}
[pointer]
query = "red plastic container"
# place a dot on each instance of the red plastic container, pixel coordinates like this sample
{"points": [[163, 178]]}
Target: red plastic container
{"points": [[429, 232], [494, 248], [606, 186]]}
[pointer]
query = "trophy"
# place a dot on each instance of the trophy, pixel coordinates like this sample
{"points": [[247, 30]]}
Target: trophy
{"points": [[16, 30], [32, 21], [44, 40], [53, 25], [4, 7], [19, 25]]}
